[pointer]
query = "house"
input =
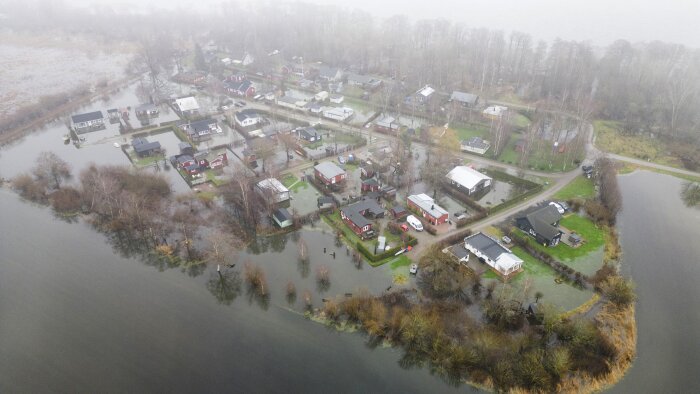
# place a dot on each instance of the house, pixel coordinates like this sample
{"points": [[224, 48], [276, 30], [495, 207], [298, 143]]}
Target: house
{"points": [[424, 94], [309, 134], [330, 74], [314, 108], [113, 115], [468, 180], [282, 217], [490, 251], [244, 88], [247, 118], [337, 98], [185, 162], [201, 129], [387, 123], [364, 81], [143, 148], [83, 123], [235, 77], [357, 216], [292, 102], [186, 148], [329, 174], [340, 114], [296, 68], [388, 192], [273, 129], [187, 106], [245, 59], [467, 100], [541, 222], [366, 170], [369, 185], [272, 190], [495, 111], [321, 96], [148, 110], [217, 160], [432, 212], [475, 145], [398, 211], [325, 202]]}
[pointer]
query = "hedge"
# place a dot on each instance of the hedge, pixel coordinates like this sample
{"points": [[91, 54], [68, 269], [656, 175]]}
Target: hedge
{"points": [[455, 238], [377, 257]]}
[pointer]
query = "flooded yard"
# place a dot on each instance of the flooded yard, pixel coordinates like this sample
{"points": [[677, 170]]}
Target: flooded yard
{"points": [[498, 193]]}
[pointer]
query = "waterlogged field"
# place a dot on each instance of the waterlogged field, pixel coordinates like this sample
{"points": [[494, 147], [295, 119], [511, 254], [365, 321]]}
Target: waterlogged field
{"points": [[53, 70]]}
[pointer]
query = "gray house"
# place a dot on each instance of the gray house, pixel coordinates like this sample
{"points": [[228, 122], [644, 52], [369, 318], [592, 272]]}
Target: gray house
{"points": [[82, 123], [541, 223]]}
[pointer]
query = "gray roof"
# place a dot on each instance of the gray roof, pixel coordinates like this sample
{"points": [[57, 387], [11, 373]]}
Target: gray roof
{"points": [[329, 169], [353, 211], [142, 145], [282, 215], [87, 117], [246, 114], [202, 125], [542, 219], [328, 72], [476, 142], [309, 132], [146, 107], [487, 245], [463, 97]]}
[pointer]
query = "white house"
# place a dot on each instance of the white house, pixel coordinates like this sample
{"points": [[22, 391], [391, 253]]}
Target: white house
{"points": [[497, 256], [187, 105], [340, 114], [321, 96], [89, 120], [495, 111], [337, 99], [468, 179], [247, 118], [272, 190]]}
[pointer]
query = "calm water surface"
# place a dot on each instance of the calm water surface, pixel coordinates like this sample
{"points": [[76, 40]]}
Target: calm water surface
{"points": [[659, 237]]}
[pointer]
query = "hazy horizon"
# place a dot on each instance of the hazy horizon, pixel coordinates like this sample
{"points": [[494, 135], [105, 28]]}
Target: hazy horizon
{"points": [[599, 22]]}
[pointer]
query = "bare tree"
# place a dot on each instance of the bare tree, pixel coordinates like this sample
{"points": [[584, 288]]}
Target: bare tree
{"points": [[51, 170]]}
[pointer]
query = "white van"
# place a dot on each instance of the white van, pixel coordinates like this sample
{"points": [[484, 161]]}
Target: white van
{"points": [[414, 222]]}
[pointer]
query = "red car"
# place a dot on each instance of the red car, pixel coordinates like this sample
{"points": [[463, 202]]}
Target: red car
{"points": [[404, 227]]}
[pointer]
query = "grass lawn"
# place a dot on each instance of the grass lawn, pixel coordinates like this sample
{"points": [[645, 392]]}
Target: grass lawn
{"points": [[466, 131], [347, 138], [609, 138], [538, 276], [520, 120], [211, 177], [542, 159], [594, 239], [357, 104], [145, 161], [400, 261], [580, 187], [293, 183]]}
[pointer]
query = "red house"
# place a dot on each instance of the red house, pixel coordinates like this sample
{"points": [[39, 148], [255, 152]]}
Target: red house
{"points": [[432, 212], [369, 185], [356, 216], [329, 174]]}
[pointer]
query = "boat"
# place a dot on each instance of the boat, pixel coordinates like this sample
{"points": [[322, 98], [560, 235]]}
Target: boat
{"points": [[66, 138], [400, 251], [116, 145]]}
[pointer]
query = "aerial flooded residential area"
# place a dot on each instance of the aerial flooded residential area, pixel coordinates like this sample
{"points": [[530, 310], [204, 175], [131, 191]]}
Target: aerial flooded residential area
{"points": [[310, 197]]}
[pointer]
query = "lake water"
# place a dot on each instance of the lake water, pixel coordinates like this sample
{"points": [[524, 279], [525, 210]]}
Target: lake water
{"points": [[77, 317], [662, 255]]}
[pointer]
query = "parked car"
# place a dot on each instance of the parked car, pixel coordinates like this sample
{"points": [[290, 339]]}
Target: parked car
{"points": [[506, 239], [404, 227], [414, 269], [414, 222], [241, 103], [559, 208]]}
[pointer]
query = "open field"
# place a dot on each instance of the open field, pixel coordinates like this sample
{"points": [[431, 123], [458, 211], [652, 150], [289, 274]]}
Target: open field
{"points": [[581, 187], [610, 139]]}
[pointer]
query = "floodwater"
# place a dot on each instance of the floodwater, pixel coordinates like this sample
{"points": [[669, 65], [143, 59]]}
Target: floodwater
{"points": [[661, 254], [78, 317]]}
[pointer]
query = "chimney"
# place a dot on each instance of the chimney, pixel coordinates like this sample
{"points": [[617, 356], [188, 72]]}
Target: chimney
{"points": [[432, 207]]}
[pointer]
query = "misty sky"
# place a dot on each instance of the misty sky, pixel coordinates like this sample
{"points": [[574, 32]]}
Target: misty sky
{"points": [[598, 21]]}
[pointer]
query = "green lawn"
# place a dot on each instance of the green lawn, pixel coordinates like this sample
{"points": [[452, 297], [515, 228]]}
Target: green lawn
{"points": [[594, 239], [520, 120], [542, 159], [610, 139], [466, 131], [580, 187], [293, 183], [538, 276], [211, 177], [400, 261]]}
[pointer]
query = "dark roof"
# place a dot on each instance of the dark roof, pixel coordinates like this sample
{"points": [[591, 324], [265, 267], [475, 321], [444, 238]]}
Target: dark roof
{"points": [[282, 215], [368, 205], [370, 182], [542, 219], [325, 200], [398, 208], [146, 107], [246, 113], [184, 158], [202, 125], [309, 132], [87, 117], [463, 97], [476, 142], [184, 145], [486, 245], [147, 147]]}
